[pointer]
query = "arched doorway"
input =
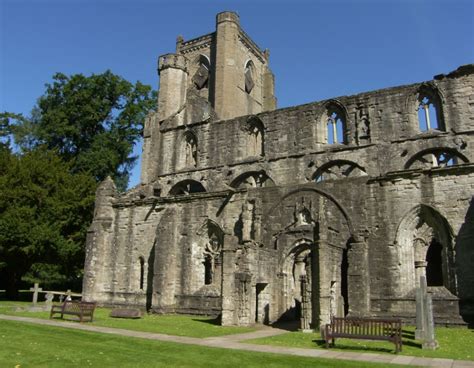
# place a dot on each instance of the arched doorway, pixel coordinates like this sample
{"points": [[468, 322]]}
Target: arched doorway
{"points": [[297, 279]]}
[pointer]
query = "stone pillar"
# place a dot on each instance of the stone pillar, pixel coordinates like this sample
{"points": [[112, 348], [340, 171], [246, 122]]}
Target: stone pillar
{"points": [[229, 71], [173, 84], [321, 259], [305, 305], [420, 308], [358, 279], [229, 315], [97, 272]]}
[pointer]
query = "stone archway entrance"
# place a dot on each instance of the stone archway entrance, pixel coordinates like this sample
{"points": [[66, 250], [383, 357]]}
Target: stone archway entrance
{"points": [[297, 279], [312, 246]]}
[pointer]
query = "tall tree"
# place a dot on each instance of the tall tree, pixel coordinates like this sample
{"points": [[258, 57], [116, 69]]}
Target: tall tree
{"points": [[92, 122], [44, 214]]}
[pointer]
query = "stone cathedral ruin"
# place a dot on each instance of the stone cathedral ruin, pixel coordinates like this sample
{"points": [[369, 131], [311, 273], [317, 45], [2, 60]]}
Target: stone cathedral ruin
{"points": [[260, 214]]}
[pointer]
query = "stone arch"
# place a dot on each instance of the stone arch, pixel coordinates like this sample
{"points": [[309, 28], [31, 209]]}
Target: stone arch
{"points": [[323, 194], [252, 179], [338, 169], [296, 262], [435, 157], [429, 105], [333, 122], [255, 137], [309, 220], [186, 187], [422, 228]]}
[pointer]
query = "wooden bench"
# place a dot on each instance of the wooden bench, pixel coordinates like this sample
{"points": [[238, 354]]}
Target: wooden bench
{"points": [[364, 328], [84, 310]]}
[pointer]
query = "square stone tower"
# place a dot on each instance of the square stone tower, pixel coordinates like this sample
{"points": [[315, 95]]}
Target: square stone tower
{"points": [[225, 67], [218, 76]]}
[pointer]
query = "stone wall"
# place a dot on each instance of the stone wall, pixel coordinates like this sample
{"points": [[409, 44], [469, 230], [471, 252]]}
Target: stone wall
{"points": [[332, 207]]}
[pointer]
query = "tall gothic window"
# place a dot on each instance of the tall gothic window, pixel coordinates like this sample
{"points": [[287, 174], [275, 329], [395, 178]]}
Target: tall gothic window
{"points": [[201, 77], [429, 111], [212, 255], [335, 125], [249, 76]]}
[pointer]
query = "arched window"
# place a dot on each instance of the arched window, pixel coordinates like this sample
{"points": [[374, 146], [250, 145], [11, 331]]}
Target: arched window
{"points": [[249, 76], [425, 248], [429, 111], [201, 77], [187, 187], [253, 179], [255, 138], [335, 124], [435, 157], [339, 169], [213, 241], [190, 150]]}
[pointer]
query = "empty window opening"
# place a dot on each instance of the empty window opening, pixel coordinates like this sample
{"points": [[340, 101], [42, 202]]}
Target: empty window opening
{"points": [[338, 170], [142, 272], [249, 77], [344, 283], [335, 129], [187, 187], [439, 157], [427, 114], [201, 77], [434, 268], [208, 269]]}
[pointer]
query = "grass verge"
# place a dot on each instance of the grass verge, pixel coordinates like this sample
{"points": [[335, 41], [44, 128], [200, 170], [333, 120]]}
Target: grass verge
{"points": [[455, 343], [178, 325], [27, 345]]}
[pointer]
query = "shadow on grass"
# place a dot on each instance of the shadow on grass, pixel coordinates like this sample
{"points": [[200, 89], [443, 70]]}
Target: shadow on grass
{"points": [[291, 326], [211, 321], [322, 344], [408, 339]]}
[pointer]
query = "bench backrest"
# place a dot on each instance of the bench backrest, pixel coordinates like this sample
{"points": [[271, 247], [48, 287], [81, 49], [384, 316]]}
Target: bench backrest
{"points": [[77, 306], [366, 326]]}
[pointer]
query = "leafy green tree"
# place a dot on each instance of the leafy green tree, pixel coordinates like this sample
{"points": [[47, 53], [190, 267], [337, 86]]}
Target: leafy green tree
{"points": [[92, 122], [82, 130], [44, 214]]}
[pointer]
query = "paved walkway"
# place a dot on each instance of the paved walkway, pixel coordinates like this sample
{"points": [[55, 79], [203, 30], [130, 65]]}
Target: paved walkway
{"points": [[235, 342]]}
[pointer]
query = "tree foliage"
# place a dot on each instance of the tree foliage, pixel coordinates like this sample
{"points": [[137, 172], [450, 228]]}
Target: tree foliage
{"points": [[82, 130], [92, 122], [44, 214]]}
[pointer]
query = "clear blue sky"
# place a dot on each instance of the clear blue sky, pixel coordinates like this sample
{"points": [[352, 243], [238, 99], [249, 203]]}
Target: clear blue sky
{"points": [[318, 49]]}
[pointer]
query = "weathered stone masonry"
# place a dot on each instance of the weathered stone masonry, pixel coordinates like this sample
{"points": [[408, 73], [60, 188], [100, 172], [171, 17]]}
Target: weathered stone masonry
{"points": [[329, 208]]}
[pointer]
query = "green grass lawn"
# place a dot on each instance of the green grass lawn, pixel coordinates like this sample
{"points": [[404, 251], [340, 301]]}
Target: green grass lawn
{"points": [[27, 345], [455, 343], [178, 325]]}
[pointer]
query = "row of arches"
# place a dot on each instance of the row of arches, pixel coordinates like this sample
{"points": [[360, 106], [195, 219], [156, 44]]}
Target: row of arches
{"points": [[333, 170], [429, 112]]}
